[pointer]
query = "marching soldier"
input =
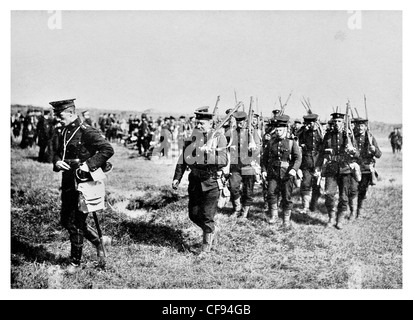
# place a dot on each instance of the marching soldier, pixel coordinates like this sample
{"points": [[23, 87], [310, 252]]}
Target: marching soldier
{"points": [[341, 156], [280, 163], [79, 146], [206, 155], [244, 153], [369, 152], [310, 140]]}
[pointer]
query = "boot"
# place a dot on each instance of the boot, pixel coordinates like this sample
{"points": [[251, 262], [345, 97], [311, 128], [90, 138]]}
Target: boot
{"points": [[287, 220], [353, 209], [237, 206], [340, 220], [306, 198], [101, 254], [332, 218], [75, 258], [244, 212], [209, 240], [360, 210], [272, 214], [313, 203]]}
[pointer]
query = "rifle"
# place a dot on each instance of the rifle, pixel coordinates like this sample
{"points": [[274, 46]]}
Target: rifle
{"points": [[215, 112], [251, 145], [208, 146], [216, 106], [285, 104]]}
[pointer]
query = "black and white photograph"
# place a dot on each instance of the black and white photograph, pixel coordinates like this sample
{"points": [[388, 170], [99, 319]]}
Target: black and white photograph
{"points": [[198, 150]]}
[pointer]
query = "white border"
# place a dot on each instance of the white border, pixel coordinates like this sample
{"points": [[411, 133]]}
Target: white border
{"points": [[7, 293]]}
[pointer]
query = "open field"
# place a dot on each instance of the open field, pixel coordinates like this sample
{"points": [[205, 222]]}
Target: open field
{"points": [[158, 248]]}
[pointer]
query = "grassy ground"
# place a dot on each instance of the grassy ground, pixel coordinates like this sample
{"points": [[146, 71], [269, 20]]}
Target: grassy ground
{"points": [[158, 248]]}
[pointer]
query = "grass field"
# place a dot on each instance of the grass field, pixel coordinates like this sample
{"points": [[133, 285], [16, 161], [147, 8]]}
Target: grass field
{"points": [[157, 248]]}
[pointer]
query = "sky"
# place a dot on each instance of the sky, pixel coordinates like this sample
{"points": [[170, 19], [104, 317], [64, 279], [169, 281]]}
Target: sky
{"points": [[176, 61]]}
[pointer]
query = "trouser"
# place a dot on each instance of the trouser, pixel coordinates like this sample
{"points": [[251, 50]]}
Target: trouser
{"points": [[283, 186], [202, 205], [42, 152], [348, 190], [75, 222], [363, 188], [309, 184], [242, 187]]}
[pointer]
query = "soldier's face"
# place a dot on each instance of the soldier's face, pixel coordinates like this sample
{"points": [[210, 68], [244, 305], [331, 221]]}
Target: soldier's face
{"points": [[338, 124], [281, 132], [361, 128]]}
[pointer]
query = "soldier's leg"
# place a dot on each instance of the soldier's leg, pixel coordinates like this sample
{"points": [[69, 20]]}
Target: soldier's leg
{"points": [[207, 219], [272, 197], [330, 203], [68, 219], [235, 181], [305, 191], [195, 201], [247, 195], [316, 193], [287, 187], [347, 192], [362, 192]]}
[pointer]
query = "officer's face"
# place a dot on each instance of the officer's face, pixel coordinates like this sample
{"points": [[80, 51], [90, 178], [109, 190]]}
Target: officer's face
{"points": [[203, 125], [281, 132], [240, 124], [65, 117]]}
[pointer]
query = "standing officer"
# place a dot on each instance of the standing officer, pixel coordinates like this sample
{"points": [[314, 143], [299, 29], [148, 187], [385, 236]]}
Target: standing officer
{"points": [[206, 155], [369, 150], [244, 151], [310, 140], [280, 162], [79, 146], [341, 158]]}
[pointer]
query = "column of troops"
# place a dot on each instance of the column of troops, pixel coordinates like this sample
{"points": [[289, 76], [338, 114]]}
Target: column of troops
{"points": [[340, 155]]}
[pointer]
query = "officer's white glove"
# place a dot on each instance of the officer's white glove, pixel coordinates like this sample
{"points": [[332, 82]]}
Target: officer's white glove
{"points": [[317, 172], [372, 149], [175, 184], [264, 175], [61, 165], [293, 172], [84, 167]]}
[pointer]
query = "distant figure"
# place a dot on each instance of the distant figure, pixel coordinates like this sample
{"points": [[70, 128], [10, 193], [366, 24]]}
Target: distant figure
{"points": [[44, 133], [396, 140], [87, 119]]}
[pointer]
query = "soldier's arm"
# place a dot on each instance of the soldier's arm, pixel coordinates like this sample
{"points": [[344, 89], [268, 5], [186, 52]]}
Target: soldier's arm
{"points": [[180, 168], [321, 151], [264, 158], [377, 152], [101, 149], [296, 156], [58, 151]]}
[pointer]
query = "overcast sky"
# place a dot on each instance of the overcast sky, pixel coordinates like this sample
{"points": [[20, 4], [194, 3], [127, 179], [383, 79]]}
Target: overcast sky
{"points": [[180, 60]]}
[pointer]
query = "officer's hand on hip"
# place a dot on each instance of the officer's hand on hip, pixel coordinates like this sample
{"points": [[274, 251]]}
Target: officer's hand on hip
{"points": [[175, 184], [372, 149], [61, 165]]}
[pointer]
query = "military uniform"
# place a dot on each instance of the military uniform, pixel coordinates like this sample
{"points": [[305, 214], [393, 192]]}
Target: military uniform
{"points": [[78, 143], [205, 173], [338, 172], [280, 156], [44, 133], [310, 141], [367, 163], [242, 169]]}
